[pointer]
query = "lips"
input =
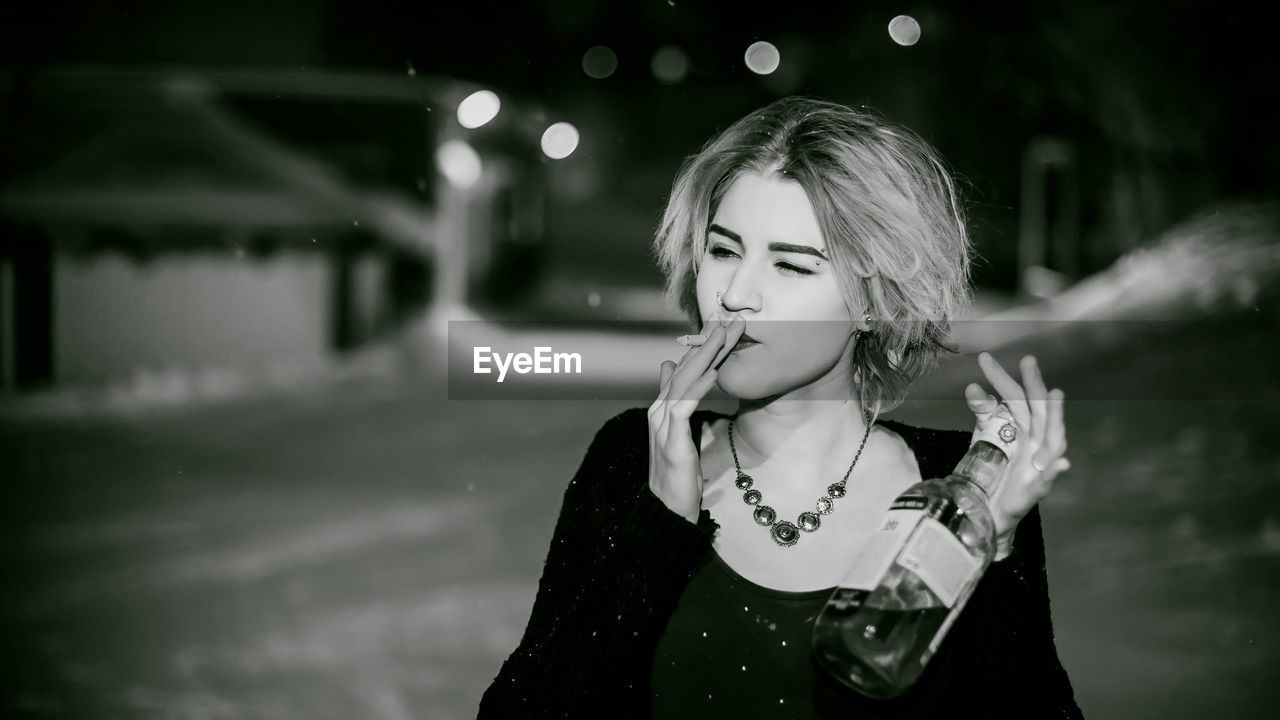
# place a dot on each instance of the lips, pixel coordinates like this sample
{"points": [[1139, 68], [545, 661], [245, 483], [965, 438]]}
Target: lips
{"points": [[745, 341]]}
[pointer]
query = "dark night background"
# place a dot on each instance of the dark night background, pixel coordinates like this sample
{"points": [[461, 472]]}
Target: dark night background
{"points": [[235, 479], [1171, 105]]}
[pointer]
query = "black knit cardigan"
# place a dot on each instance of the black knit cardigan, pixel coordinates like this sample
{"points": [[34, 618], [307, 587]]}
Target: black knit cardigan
{"points": [[620, 559]]}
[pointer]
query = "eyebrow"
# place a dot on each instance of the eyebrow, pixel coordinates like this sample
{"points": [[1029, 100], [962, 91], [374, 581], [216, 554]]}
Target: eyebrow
{"points": [[774, 247]]}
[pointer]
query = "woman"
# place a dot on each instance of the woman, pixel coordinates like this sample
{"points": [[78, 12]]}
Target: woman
{"points": [[822, 251]]}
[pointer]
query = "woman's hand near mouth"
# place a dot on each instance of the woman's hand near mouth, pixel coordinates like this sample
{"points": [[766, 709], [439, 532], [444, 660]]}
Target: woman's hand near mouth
{"points": [[674, 476]]}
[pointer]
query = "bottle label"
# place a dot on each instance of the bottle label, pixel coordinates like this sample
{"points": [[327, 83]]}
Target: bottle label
{"points": [[939, 559], [910, 502], [885, 543], [847, 599]]}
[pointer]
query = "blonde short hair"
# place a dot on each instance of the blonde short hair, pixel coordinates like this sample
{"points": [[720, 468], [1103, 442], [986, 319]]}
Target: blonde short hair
{"points": [[888, 210]]}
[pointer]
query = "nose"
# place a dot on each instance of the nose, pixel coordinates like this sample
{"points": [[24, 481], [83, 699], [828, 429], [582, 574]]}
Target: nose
{"points": [[743, 292]]}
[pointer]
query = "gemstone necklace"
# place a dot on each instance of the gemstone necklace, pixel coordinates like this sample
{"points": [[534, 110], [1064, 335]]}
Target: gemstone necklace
{"points": [[783, 532]]}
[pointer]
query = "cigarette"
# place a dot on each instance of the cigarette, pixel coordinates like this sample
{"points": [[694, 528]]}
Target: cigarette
{"points": [[691, 339]]}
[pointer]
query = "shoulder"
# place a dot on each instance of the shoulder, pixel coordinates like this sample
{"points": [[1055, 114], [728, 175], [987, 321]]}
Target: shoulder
{"points": [[623, 430], [613, 476], [615, 460], [631, 418], [937, 450], [618, 457], [619, 444]]}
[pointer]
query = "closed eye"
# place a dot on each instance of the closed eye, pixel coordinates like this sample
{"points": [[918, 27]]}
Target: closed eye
{"points": [[721, 252], [789, 268]]}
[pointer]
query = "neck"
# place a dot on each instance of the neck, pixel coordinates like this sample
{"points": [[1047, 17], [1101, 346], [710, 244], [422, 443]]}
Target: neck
{"points": [[798, 428]]}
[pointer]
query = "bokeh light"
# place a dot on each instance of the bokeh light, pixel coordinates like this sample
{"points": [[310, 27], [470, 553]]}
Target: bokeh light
{"points": [[904, 30], [478, 108], [599, 62], [762, 57], [560, 140], [459, 163], [670, 64]]}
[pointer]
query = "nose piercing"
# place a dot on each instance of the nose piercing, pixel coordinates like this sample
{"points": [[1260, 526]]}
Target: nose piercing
{"points": [[720, 297]]}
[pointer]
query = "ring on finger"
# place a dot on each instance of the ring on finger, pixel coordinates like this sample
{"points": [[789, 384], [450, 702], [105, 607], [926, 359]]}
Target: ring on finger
{"points": [[1007, 432]]}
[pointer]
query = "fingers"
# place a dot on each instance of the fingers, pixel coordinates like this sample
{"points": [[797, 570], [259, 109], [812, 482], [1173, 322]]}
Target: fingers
{"points": [[1057, 430], [1033, 406], [733, 333], [702, 385], [1045, 478], [665, 372], [685, 383], [735, 327], [1037, 397], [676, 411], [695, 362], [980, 403], [1037, 411], [720, 341], [1010, 391], [1050, 454], [1053, 442]]}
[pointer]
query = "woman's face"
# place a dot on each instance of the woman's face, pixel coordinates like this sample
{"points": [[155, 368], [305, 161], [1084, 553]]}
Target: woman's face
{"points": [[766, 254]]}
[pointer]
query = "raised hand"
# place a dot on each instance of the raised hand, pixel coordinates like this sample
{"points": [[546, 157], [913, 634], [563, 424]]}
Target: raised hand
{"points": [[1037, 457], [674, 474]]}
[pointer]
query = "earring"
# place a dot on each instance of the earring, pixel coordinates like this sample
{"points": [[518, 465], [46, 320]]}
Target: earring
{"points": [[860, 334]]}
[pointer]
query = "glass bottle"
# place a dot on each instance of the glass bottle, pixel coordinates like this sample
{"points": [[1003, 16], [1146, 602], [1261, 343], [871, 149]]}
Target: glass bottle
{"points": [[888, 616]]}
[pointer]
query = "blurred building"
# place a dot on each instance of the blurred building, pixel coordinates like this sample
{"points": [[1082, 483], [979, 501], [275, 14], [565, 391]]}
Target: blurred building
{"points": [[162, 218]]}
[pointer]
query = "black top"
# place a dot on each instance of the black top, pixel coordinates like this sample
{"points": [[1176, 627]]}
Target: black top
{"points": [[737, 649], [620, 561]]}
